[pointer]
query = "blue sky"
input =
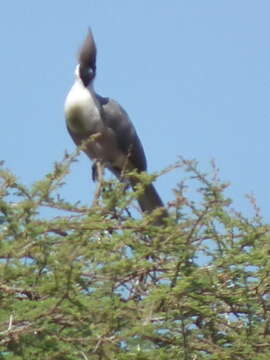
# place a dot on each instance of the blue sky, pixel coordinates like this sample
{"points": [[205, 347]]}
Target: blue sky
{"points": [[193, 76]]}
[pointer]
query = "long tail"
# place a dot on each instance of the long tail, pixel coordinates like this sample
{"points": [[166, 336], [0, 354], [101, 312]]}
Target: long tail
{"points": [[150, 200]]}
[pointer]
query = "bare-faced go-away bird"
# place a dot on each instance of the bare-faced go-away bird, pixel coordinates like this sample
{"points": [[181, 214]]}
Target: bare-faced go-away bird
{"points": [[110, 137]]}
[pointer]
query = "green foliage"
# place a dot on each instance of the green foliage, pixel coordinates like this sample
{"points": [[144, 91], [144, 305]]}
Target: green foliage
{"points": [[95, 283]]}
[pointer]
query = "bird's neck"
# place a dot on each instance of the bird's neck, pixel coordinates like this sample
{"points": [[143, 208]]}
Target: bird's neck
{"points": [[79, 95]]}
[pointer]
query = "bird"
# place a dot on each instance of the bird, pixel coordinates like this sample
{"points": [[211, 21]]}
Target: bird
{"points": [[110, 138]]}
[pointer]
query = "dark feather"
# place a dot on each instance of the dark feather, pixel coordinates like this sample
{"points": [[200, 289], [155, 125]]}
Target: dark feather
{"points": [[116, 118], [88, 53]]}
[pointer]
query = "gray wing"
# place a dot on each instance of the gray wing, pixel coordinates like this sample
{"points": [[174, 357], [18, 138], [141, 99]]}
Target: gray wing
{"points": [[116, 118]]}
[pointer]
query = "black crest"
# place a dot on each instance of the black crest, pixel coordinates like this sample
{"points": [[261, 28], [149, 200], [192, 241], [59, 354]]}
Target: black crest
{"points": [[87, 59]]}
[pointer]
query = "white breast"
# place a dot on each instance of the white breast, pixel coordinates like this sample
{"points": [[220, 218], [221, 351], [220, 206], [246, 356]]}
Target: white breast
{"points": [[82, 109]]}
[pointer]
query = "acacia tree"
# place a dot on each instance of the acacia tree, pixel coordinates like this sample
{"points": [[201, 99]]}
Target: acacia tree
{"points": [[97, 283]]}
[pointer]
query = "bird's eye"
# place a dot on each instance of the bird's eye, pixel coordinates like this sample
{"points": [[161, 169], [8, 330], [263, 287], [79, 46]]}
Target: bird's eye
{"points": [[86, 75]]}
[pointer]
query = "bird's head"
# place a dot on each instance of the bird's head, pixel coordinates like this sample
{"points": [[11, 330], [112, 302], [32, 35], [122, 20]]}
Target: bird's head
{"points": [[86, 69]]}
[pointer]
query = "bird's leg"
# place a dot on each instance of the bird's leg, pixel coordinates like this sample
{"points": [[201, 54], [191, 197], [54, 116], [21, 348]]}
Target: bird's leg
{"points": [[94, 171], [97, 175]]}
